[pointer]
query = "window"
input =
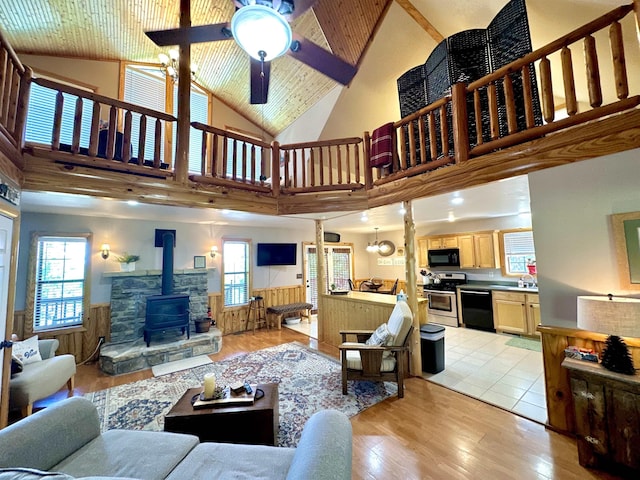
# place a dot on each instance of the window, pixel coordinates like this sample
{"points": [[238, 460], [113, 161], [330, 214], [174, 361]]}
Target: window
{"points": [[235, 261], [199, 113], [517, 251], [58, 284], [40, 113]]}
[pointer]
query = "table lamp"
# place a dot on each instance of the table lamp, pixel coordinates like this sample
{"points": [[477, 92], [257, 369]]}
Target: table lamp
{"points": [[616, 317]]}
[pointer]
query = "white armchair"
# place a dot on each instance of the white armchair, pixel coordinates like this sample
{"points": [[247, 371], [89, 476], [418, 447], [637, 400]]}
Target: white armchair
{"points": [[386, 362]]}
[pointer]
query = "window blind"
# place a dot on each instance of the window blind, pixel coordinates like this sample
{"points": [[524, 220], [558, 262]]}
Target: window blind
{"points": [[40, 113], [199, 113], [60, 282], [146, 88], [519, 243]]}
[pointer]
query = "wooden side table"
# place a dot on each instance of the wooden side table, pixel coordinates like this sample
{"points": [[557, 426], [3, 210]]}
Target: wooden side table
{"points": [[606, 406], [255, 424]]}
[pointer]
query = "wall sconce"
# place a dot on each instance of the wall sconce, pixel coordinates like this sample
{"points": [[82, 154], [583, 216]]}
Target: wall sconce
{"points": [[214, 251], [106, 249]]}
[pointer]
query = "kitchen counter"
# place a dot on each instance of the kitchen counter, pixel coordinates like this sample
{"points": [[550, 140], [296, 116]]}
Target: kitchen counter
{"points": [[513, 287]]}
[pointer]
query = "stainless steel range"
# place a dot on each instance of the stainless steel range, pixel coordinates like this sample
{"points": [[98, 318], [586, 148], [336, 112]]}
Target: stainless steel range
{"points": [[443, 306]]}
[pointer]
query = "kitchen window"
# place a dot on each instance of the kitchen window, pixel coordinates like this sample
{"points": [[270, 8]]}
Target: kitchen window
{"points": [[517, 251]]}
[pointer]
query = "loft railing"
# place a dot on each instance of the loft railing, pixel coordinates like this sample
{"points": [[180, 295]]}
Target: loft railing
{"points": [[501, 115], [322, 166], [115, 145], [498, 109], [15, 81]]}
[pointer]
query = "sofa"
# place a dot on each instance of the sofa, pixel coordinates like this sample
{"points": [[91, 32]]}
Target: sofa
{"points": [[63, 442], [43, 378]]}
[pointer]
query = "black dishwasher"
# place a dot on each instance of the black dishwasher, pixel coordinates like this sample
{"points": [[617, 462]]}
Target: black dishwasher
{"points": [[477, 309]]}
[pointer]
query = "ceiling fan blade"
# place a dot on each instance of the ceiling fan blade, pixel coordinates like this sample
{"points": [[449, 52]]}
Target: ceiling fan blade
{"points": [[323, 61], [259, 82], [198, 34], [300, 6]]}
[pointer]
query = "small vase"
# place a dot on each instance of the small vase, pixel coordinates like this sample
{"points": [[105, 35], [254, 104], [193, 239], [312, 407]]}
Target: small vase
{"points": [[128, 267]]}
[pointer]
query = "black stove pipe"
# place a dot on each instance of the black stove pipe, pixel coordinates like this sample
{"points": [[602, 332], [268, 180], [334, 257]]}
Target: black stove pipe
{"points": [[167, 263]]}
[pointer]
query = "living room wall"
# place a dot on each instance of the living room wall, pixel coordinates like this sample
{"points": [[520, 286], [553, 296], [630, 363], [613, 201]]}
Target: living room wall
{"points": [[137, 237], [571, 207]]}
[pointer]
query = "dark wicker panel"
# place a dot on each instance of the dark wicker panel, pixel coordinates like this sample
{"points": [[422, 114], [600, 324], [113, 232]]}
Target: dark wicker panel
{"points": [[510, 39], [468, 56], [412, 91]]}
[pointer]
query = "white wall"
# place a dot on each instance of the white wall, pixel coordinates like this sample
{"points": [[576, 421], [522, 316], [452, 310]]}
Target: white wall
{"points": [[137, 237], [571, 207]]}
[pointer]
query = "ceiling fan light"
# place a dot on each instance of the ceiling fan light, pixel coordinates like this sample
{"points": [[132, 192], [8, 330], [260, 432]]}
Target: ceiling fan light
{"points": [[259, 28], [164, 60]]}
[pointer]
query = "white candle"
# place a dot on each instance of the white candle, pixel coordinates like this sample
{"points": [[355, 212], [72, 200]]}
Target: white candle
{"points": [[209, 385]]}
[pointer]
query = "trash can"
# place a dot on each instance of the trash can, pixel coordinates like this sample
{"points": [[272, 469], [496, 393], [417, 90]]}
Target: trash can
{"points": [[432, 345]]}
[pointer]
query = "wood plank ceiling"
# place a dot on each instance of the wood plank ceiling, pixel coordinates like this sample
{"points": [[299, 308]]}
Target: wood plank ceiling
{"points": [[114, 30]]}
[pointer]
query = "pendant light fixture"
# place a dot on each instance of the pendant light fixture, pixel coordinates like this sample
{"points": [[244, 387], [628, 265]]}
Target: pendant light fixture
{"points": [[373, 248], [262, 31]]}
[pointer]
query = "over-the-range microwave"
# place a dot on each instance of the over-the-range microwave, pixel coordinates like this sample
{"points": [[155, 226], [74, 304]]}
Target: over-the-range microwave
{"points": [[445, 257]]}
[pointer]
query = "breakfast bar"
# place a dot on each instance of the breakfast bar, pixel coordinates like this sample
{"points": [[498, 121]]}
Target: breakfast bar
{"points": [[359, 311]]}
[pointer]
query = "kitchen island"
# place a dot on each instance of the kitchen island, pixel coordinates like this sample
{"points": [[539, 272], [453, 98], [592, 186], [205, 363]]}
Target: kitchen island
{"points": [[357, 311]]}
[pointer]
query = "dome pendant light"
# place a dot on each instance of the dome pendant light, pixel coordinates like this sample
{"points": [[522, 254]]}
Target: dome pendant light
{"points": [[258, 28]]}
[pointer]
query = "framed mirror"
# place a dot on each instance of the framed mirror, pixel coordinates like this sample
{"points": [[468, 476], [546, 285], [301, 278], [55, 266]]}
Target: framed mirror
{"points": [[626, 233]]}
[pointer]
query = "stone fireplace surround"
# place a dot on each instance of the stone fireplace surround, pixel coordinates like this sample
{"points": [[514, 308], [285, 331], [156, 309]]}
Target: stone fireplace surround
{"points": [[127, 352]]}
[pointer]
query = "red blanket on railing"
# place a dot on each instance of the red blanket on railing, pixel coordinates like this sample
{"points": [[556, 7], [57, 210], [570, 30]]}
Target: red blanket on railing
{"points": [[382, 146]]}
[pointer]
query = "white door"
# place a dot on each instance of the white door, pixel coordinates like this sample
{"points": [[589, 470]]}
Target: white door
{"points": [[6, 229]]}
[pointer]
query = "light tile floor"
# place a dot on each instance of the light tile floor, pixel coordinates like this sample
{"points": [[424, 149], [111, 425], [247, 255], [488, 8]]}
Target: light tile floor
{"points": [[481, 365]]}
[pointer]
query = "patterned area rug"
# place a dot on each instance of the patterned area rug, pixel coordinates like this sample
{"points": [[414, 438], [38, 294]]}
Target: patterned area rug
{"points": [[308, 380]]}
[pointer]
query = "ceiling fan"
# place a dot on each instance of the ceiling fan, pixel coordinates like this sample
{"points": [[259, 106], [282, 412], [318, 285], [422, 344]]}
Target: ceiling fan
{"points": [[261, 28]]}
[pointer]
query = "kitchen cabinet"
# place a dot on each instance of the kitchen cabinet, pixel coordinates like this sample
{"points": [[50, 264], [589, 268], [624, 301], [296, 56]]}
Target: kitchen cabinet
{"points": [[516, 312], [439, 242], [478, 250], [607, 417]]}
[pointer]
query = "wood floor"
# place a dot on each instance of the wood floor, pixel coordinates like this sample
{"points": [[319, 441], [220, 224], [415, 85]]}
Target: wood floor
{"points": [[432, 433]]}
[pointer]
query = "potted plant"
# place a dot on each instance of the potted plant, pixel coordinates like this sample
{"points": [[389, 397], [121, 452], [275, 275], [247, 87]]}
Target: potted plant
{"points": [[127, 262]]}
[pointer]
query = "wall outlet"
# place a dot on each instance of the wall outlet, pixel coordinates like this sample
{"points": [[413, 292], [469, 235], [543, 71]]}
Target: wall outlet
{"points": [[298, 275]]}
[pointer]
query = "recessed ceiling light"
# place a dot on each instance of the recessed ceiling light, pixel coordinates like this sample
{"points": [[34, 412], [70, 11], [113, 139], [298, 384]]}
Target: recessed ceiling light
{"points": [[132, 202], [451, 217], [364, 217], [402, 210], [457, 201], [524, 214]]}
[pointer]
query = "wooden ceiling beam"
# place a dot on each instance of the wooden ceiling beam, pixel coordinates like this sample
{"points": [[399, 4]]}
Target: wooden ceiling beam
{"points": [[421, 20]]}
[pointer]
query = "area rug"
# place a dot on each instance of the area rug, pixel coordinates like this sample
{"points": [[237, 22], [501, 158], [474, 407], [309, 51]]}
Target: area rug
{"points": [[525, 343], [184, 364], [308, 380]]}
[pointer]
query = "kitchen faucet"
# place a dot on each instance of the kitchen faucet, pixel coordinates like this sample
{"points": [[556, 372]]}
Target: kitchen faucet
{"points": [[528, 280]]}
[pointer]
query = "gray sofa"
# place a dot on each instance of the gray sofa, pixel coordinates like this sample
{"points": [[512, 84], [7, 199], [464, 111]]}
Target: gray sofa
{"points": [[64, 442]]}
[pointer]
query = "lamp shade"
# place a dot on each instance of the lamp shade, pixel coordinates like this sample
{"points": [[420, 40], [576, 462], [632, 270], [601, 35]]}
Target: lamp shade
{"points": [[609, 315], [257, 28]]}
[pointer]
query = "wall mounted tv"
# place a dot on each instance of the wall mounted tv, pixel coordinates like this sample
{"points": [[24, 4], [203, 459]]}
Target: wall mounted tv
{"points": [[277, 254]]}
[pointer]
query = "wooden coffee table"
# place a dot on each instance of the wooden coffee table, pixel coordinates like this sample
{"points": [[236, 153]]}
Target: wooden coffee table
{"points": [[255, 424]]}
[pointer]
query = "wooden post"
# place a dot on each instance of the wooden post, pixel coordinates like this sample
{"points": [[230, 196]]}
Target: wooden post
{"points": [[368, 170], [181, 168], [460, 119], [275, 168], [412, 285], [322, 274]]}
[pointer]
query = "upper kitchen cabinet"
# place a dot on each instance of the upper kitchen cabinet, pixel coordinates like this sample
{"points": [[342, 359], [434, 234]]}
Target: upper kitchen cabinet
{"points": [[437, 243], [479, 250]]}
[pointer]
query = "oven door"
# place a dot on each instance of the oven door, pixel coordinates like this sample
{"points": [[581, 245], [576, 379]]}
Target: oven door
{"points": [[441, 303]]}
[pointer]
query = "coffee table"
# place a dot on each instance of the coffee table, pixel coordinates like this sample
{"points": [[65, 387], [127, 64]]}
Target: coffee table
{"points": [[255, 424]]}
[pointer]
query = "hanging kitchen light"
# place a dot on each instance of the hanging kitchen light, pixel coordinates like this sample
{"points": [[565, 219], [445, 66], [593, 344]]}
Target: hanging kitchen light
{"points": [[375, 247]]}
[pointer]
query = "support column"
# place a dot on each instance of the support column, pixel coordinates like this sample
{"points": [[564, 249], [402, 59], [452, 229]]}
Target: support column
{"points": [[181, 167], [412, 285], [322, 273]]}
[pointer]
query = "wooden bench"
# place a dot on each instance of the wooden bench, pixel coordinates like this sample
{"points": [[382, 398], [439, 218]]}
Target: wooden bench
{"points": [[279, 311]]}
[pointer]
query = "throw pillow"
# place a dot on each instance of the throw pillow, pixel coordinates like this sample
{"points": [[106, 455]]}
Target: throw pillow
{"points": [[382, 336], [27, 351]]}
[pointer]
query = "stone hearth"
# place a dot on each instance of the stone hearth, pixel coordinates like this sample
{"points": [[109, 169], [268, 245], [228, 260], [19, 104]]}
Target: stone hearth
{"points": [[166, 347]]}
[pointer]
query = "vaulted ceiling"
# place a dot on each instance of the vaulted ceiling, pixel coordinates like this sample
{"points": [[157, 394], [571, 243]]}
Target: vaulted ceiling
{"points": [[115, 30]]}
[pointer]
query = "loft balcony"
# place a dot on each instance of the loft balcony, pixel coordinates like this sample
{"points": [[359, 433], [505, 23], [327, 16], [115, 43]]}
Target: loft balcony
{"points": [[470, 137]]}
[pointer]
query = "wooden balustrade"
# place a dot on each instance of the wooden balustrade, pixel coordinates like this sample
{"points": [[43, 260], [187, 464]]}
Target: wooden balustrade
{"points": [[117, 147], [233, 160], [15, 82], [322, 166]]}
